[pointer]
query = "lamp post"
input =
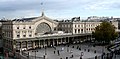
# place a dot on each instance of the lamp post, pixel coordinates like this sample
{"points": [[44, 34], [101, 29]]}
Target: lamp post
{"points": [[35, 52], [45, 53]]}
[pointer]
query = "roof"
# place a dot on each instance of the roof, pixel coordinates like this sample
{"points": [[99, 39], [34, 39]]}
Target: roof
{"points": [[25, 19]]}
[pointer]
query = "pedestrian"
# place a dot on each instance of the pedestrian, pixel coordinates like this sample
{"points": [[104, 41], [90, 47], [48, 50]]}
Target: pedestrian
{"points": [[72, 56], [88, 50], [77, 47], [95, 57], [54, 52], [80, 57], [95, 51], [58, 52]]}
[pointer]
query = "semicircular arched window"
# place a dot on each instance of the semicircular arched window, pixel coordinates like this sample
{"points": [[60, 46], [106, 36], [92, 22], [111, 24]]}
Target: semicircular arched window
{"points": [[43, 28]]}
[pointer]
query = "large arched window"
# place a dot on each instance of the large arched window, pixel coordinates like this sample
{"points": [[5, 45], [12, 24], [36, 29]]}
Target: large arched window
{"points": [[43, 28]]}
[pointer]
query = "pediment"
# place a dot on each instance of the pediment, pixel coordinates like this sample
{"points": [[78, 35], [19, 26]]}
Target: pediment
{"points": [[44, 18]]}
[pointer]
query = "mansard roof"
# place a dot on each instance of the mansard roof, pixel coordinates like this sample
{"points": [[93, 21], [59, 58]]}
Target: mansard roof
{"points": [[34, 19], [25, 19]]}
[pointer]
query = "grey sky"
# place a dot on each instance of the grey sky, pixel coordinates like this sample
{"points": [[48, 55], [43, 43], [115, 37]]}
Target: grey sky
{"points": [[59, 8]]}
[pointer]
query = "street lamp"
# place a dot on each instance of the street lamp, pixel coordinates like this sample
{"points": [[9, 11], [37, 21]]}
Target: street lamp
{"points": [[45, 53], [35, 52]]}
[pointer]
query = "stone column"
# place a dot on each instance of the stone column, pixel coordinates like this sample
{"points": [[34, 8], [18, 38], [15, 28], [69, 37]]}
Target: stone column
{"points": [[33, 44], [61, 40], [39, 44], [53, 42], [43, 43], [14, 44], [20, 47], [76, 31], [57, 41], [27, 45], [48, 42], [68, 39]]}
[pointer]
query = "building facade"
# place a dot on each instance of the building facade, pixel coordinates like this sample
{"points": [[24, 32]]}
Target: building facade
{"points": [[80, 27], [39, 32]]}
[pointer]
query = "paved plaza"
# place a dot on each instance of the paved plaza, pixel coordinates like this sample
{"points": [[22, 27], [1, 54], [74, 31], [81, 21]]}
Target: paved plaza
{"points": [[72, 52]]}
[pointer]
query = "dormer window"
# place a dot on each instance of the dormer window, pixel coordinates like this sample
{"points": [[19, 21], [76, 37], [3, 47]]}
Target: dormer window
{"points": [[24, 35], [17, 27], [29, 27], [23, 27], [18, 36]]}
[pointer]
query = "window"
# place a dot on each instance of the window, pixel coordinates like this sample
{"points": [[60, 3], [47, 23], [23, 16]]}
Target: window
{"points": [[55, 29], [24, 35], [17, 27], [17, 32], [30, 35], [18, 36], [78, 30], [75, 30], [81, 30], [29, 27], [75, 25], [78, 25], [29, 31], [24, 32], [87, 28], [23, 27], [81, 25]]}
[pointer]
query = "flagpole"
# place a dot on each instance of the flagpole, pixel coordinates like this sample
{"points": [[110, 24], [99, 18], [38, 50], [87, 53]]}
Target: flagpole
{"points": [[42, 9]]}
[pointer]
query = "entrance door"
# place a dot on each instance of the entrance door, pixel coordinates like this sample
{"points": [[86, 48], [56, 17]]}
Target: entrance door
{"points": [[55, 41]]}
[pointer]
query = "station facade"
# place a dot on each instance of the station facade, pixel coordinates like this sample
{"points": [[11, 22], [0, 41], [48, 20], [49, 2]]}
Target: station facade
{"points": [[39, 32]]}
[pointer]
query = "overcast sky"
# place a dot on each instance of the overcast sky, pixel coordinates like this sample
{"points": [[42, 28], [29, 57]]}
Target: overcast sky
{"points": [[59, 8]]}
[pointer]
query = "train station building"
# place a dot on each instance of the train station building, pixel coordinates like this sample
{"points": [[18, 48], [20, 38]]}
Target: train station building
{"points": [[42, 31]]}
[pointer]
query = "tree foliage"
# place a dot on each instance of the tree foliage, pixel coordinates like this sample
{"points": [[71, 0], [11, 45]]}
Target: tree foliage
{"points": [[105, 32]]}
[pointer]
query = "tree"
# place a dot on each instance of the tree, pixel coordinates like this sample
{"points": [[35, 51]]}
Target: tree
{"points": [[105, 32]]}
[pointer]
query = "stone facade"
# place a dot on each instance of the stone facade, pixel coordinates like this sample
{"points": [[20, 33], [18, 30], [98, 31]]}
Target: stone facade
{"points": [[37, 32], [80, 27]]}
